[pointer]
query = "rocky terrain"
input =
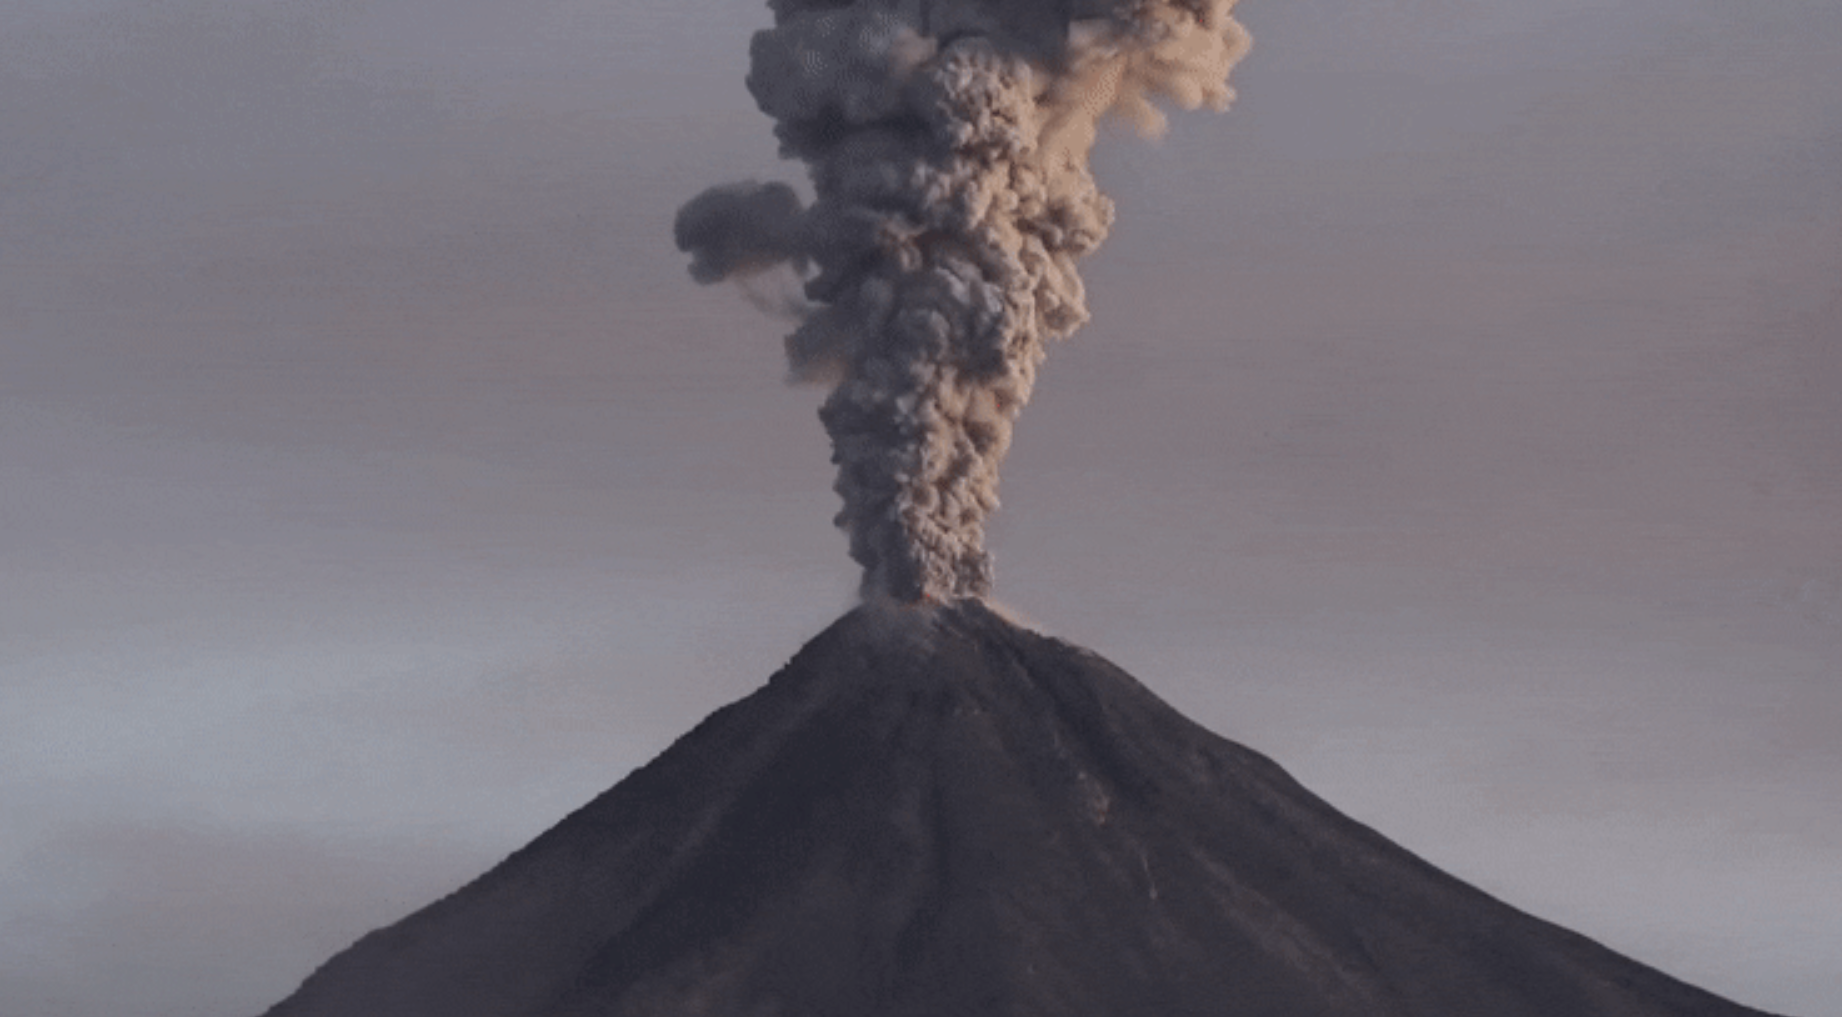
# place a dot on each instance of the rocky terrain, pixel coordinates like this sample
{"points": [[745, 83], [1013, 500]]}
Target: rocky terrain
{"points": [[934, 811]]}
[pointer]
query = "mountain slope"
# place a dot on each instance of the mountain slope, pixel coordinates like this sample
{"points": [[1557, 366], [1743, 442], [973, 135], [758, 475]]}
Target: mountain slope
{"points": [[939, 813]]}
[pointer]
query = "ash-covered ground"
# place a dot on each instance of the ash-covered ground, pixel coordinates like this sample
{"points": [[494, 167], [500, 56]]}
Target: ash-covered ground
{"points": [[934, 811]]}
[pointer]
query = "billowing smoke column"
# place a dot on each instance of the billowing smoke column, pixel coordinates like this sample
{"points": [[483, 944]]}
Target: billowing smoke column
{"points": [[947, 142]]}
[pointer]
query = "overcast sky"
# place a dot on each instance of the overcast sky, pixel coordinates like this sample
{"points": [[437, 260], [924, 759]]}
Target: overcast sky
{"points": [[1458, 425]]}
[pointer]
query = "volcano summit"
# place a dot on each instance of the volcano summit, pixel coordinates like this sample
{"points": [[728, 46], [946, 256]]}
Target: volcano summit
{"points": [[933, 812]]}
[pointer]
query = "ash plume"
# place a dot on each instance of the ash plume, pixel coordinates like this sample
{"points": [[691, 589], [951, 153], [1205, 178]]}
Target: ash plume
{"points": [[947, 143]]}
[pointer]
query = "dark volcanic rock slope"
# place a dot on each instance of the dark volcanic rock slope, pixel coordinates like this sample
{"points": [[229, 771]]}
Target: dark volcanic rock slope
{"points": [[932, 814]]}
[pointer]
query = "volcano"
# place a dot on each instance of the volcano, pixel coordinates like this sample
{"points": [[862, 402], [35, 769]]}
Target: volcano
{"points": [[934, 812]]}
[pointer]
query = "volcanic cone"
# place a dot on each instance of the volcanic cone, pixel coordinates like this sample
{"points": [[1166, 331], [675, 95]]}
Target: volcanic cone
{"points": [[933, 812]]}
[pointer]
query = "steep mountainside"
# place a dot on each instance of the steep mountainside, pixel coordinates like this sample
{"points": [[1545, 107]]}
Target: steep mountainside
{"points": [[939, 813]]}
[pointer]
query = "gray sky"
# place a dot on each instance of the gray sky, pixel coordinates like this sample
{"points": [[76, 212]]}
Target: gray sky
{"points": [[1457, 425]]}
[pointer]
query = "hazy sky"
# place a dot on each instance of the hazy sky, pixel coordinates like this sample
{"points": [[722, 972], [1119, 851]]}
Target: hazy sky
{"points": [[1458, 425]]}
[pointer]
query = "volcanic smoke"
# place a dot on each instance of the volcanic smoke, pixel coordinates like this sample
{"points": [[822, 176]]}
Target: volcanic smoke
{"points": [[947, 142]]}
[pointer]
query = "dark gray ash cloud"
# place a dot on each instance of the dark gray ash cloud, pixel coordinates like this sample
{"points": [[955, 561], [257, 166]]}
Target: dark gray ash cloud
{"points": [[948, 146]]}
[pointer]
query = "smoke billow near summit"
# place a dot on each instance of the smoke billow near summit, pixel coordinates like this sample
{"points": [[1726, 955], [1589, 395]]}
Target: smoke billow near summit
{"points": [[947, 142]]}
